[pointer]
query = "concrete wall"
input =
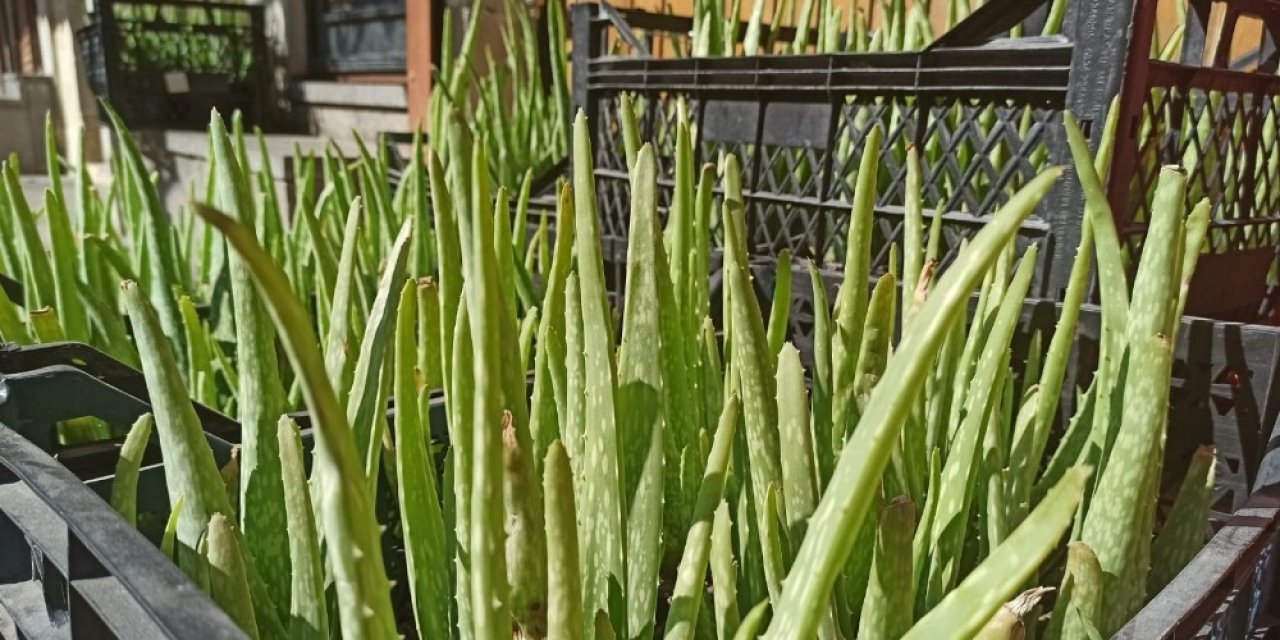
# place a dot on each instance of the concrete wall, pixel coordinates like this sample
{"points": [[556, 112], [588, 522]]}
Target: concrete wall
{"points": [[24, 101]]}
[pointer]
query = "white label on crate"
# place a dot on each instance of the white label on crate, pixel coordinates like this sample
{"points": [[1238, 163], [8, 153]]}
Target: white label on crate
{"points": [[176, 82]]}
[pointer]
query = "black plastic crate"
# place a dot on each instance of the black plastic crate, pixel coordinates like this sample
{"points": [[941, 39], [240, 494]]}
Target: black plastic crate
{"points": [[1220, 112], [71, 566], [798, 123], [166, 63], [35, 383]]}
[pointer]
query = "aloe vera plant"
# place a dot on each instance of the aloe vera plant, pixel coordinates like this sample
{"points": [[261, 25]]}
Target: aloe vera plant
{"points": [[913, 490]]}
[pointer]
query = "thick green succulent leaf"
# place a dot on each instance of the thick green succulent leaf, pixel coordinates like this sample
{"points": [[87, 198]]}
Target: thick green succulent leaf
{"points": [[966, 609], [603, 507], [261, 397], [351, 530], [308, 610], [124, 489], [1183, 532], [752, 361], [228, 583], [888, 610], [724, 574], [849, 494], [564, 589], [686, 600], [421, 519]]}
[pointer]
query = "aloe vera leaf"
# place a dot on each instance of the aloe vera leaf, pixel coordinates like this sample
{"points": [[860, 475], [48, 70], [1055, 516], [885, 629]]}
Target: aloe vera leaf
{"points": [[336, 341], [679, 238], [12, 329], [724, 573], [751, 356], [1156, 283], [780, 310], [961, 472], [46, 325], [1024, 457], [771, 543], [420, 515], [528, 325], [691, 575], [449, 255], [1080, 600], [36, 261], [699, 264], [564, 590], [912, 231], [1113, 526], [525, 543], [822, 430], [1195, 230], [630, 130], [270, 226], [603, 508], [155, 228], [1182, 534], [520, 225], [685, 376], [228, 583], [921, 545], [851, 303], [503, 253], [326, 263], [887, 611], [712, 378], [799, 480], [484, 297], [1072, 446], [65, 258], [461, 406], [363, 401], [573, 425], [750, 627], [1056, 360], [308, 611], [230, 473], [169, 539], [1111, 271], [848, 495], [538, 260], [112, 256], [751, 39], [549, 361], [346, 508], [10, 247], [644, 540], [374, 187], [199, 358], [191, 470], [424, 251], [1009, 621], [603, 627], [640, 401], [932, 252], [877, 335], [124, 489], [967, 608], [1137, 452], [430, 350], [261, 395]]}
